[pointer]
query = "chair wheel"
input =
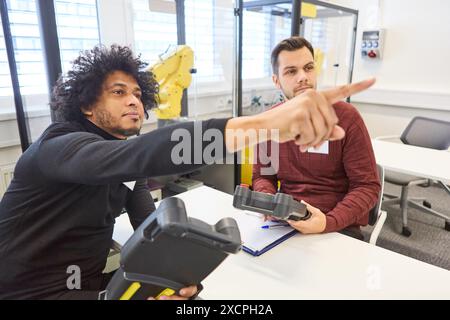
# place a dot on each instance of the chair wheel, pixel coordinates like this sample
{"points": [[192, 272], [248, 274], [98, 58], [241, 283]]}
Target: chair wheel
{"points": [[447, 225], [427, 204], [406, 232]]}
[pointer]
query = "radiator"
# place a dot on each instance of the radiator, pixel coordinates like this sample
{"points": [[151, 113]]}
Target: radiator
{"points": [[6, 175]]}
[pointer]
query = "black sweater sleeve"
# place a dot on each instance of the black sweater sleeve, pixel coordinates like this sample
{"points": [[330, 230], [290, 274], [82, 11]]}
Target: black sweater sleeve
{"points": [[139, 204], [86, 158]]}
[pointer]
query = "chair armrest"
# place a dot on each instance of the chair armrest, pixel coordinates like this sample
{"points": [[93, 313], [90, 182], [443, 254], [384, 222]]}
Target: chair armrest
{"points": [[116, 246], [392, 137], [377, 229], [443, 185]]}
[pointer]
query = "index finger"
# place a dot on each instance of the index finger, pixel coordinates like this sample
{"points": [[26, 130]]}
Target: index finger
{"points": [[337, 94]]}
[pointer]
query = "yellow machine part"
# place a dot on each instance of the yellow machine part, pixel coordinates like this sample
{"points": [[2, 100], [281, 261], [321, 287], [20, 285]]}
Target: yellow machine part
{"points": [[319, 57], [246, 166], [132, 289], [173, 73], [135, 286], [309, 10], [247, 161]]}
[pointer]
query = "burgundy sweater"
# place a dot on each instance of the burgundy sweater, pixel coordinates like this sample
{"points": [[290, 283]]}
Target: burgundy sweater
{"points": [[343, 184]]}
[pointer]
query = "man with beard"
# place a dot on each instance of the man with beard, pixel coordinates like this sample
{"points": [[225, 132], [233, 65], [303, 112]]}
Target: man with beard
{"points": [[338, 180]]}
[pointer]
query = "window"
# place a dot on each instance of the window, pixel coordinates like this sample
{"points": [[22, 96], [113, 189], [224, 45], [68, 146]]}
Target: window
{"points": [[5, 79], [255, 45], [281, 29], [154, 32], [77, 30], [317, 31], [209, 29], [328, 32], [200, 35], [223, 41], [28, 50], [331, 33], [262, 30]]}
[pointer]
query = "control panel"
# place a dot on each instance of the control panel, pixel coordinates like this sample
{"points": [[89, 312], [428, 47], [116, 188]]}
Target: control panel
{"points": [[372, 44]]}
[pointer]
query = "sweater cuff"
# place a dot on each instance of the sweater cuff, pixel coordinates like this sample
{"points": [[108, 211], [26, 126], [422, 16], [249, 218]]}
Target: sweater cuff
{"points": [[331, 224]]}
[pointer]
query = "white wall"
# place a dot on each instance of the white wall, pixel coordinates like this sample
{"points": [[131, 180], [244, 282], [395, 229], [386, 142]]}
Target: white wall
{"points": [[413, 78]]}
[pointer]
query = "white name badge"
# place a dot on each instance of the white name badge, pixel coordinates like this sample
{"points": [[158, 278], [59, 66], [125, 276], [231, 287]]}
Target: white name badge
{"points": [[130, 185], [323, 148]]}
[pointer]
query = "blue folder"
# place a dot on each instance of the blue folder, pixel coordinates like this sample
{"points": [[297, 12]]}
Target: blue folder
{"points": [[255, 239], [260, 251]]}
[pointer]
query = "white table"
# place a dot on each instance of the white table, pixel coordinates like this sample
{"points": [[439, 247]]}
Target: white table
{"points": [[328, 266], [412, 160]]}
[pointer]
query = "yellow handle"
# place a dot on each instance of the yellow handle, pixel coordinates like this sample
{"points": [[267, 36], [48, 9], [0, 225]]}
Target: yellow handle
{"points": [[166, 292], [132, 289]]}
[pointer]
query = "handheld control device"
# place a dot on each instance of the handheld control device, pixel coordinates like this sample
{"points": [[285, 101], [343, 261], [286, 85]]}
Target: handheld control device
{"points": [[281, 206], [170, 251]]}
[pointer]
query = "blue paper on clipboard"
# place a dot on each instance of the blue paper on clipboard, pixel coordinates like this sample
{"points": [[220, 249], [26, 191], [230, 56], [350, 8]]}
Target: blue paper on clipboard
{"points": [[257, 240]]}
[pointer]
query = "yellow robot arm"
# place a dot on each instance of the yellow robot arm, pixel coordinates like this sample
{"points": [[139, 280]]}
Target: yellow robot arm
{"points": [[173, 73], [319, 57]]}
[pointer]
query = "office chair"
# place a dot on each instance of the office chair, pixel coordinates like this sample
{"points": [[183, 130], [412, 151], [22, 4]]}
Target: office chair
{"points": [[377, 217], [427, 133], [113, 260]]}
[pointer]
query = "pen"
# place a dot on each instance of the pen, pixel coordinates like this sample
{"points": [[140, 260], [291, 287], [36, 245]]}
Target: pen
{"points": [[275, 226]]}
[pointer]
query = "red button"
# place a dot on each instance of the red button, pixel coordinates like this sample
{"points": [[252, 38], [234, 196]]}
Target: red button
{"points": [[372, 54]]}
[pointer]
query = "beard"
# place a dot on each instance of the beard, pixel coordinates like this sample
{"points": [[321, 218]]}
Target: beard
{"points": [[290, 95], [287, 96], [106, 121], [128, 132]]}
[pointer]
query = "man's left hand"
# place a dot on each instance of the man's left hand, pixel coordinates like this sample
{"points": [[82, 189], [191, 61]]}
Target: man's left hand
{"points": [[315, 224]]}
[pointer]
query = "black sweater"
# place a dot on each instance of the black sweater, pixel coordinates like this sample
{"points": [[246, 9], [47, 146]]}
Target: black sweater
{"points": [[67, 190]]}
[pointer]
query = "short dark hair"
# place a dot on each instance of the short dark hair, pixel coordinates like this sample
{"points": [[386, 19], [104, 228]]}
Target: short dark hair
{"points": [[83, 84], [289, 44]]}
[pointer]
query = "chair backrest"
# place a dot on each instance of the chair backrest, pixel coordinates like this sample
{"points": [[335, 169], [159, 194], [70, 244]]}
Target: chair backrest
{"points": [[427, 133], [374, 213]]}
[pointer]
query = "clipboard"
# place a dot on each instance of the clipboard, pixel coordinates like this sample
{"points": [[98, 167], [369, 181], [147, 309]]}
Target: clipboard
{"points": [[255, 239]]}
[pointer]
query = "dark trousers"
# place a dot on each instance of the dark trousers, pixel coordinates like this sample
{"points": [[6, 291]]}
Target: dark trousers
{"points": [[95, 287], [354, 232]]}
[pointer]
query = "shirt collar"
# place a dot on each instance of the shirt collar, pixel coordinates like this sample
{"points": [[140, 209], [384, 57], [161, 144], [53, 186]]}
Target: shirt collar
{"points": [[92, 128]]}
